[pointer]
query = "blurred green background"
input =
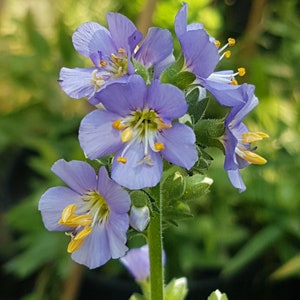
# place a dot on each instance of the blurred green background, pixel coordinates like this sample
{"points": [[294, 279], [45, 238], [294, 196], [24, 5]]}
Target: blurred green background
{"points": [[247, 245]]}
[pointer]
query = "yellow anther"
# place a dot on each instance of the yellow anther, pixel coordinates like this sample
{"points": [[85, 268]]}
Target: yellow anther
{"points": [[159, 146], [121, 51], [126, 134], [250, 137], [114, 58], [217, 43], [231, 42], [253, 158], [242, 71], [67, 212], [118, 124], [74, 245], [83, 233], [102, 63], [162, 125], [68, 218], [234, 82], [122, 160], [227, 54]]}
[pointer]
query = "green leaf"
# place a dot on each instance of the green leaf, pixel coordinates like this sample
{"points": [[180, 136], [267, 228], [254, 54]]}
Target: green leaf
{"points": [[289, 269], [255, 247]]}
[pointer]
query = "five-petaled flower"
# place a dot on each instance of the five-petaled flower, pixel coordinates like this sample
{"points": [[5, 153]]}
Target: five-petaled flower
{"points": [[136, 126], [237, 138], [202, 55], [111, 51], [93, 211]]}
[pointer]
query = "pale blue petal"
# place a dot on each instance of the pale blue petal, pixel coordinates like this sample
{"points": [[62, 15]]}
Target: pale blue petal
{"points": [[78, 175], [95, 250], [156, 47], [167, 100], [97, 136], [52, 203], [134, 174], [116, 197], [139, 217], [76, 83], [122, 99], [91, 37], [236, 180], [179, 144], [181, 21], [161, 66]]}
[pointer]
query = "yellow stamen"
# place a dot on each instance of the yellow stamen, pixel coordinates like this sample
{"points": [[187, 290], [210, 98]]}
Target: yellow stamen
{"points": [[217, 43], [103, 63], [83, 233], [126, 134], [114, 58], [253, 158], [231, 42], [227, 54], [162, 125], [234, 82], [122, 160], [159, 146], [250, 137], [74, 245], [118, 125], [121, 51], [68, 218], [242, 71]]}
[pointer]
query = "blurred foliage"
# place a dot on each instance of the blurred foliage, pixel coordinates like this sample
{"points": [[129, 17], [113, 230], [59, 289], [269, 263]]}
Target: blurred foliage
{"points": [[38, 125]]}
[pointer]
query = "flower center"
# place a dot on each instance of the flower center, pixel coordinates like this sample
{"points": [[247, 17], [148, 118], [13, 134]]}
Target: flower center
{"points": [[84, 217], [141, 126], [242, 151], [109, 67]]}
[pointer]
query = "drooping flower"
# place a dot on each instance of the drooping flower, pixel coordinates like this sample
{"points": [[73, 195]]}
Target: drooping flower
{"points": [[136, 126], [202, 55], [137, 262], [237, 139], [110, 50], [92, 210]]}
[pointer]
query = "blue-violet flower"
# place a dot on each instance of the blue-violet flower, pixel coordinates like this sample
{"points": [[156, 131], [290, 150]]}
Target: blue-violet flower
{"points": [[111, 50], [136, 126], [93, 210], [237, 138]]}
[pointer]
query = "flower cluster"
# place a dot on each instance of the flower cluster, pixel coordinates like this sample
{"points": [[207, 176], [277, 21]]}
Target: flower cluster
{"points": [[142, 123]]}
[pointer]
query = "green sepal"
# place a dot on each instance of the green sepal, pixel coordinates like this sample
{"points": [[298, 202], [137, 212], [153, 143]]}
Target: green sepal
{"points": [[137, 296], [145, 73], [204, 161], [176, 289], [173, 185], [176, 76], [208, 133], [139, 198], [217, 295], [196, 186]]}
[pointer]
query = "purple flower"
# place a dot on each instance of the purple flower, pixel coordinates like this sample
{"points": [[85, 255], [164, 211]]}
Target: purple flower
{"points": [[93, 210], [136, 126], [237, 138], [137, 262], [111, 50], [202, 56]]}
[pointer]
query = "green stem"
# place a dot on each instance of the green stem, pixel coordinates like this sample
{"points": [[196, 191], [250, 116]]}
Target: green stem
{"points": [[155, 255]]}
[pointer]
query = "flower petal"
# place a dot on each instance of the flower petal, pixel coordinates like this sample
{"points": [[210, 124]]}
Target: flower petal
{"points": [[91, 37], [95, 250], [123, 32], [157, 46], [78, 175], [179, 144], [167, 100], [97, 136], [76, 83], [134, 174], [116, 197], [236, 180], [52, 203], [123, 98], [181, 21]]}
